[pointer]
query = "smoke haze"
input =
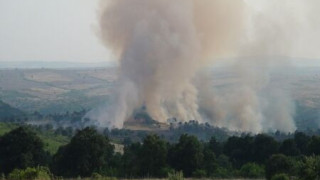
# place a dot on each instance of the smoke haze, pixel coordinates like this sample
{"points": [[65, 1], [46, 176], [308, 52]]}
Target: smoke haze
{"points": [[163, 46]]}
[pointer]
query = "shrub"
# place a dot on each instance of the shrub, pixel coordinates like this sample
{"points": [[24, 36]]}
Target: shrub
{"points": [[281, 176], [16, 174], [252, 170], [165, 171], [199, 173], [41, 173], [309, 168], [175, 176], [97, 176], [222, 173]]}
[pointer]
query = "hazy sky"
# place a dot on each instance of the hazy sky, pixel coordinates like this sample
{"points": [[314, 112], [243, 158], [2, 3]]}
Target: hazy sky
{"points": [[64, 30], [50, 30]]}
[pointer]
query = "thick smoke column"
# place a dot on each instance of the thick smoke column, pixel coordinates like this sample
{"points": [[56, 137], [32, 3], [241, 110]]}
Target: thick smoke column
{"points": [[161, 46]]}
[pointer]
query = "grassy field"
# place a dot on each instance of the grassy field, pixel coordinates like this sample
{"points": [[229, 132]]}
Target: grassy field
{"points": [[5, 127], [53, 142]]}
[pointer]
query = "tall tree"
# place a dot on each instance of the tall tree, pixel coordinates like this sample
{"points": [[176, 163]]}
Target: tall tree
{"points": [[21, 148], [276, 164], [288, 147], [263, 147], [87, 152], [215, 146], [153, 156], [210, 162], [314, 145], [187, 155], [130, 160], [239, 149], [302, 141]]}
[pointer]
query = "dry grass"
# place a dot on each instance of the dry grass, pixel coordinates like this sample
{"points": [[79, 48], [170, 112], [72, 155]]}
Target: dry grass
{"points": [[46, 77]]}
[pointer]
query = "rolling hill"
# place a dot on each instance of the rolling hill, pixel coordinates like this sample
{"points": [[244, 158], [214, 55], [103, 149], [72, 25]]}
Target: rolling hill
{"points": [[6, 111]]}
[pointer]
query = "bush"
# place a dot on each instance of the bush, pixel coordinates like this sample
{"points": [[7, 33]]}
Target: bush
{"points": [[222, 173], [309, 168], [252, 170], [281, 176], [175, 176], [40, 173], [199, 173], [97, 176], [165, 171]]}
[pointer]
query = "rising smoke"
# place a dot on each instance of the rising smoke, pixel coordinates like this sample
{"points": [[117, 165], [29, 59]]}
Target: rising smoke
{"points": [[162, 47]]}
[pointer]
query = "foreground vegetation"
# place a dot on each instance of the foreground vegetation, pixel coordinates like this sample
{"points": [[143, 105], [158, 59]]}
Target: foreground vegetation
{"points": [[90, 154], [52, 139]]}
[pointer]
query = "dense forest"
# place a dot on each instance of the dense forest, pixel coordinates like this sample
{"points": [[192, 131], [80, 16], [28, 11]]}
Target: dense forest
{"points": [[91, 154], [56, 146]]}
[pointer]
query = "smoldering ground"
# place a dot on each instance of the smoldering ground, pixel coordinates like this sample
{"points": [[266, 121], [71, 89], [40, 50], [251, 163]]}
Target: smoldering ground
{"points": [[163, 46]]}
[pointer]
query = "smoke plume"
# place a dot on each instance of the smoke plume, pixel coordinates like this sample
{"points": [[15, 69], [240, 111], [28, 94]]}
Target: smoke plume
{"points": [[163, 46]]}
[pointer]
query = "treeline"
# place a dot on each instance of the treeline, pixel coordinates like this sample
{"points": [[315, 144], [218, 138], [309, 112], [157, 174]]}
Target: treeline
{"points": [[68, 119], [90, 153], [66, 123]]}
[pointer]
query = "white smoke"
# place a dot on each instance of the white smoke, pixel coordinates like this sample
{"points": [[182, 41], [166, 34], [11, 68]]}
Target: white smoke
{"points": [[162, 45]]}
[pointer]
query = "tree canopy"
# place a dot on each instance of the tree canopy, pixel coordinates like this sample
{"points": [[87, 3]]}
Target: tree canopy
{"points": [[87, 152], [21, 148]]}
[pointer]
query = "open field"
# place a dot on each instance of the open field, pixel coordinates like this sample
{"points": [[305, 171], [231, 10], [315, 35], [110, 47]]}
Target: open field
{"points": [[50, 91], [61, 90]]}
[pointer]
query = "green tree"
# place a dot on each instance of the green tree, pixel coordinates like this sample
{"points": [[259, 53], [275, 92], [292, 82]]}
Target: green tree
{"points": [[302, 141], [130, 160], [239, 149], [21, 148], [309, 168], [210, 163], [153, 156], [289, 148], [263, 147], [277, 164], [224, 162], [186, 155], [87, 152], [314, 145], [252, 170], [215, 146]]}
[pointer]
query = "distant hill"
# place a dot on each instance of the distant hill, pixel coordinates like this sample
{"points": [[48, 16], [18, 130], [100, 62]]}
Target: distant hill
{"points": [[53, 65], [7, 111]]}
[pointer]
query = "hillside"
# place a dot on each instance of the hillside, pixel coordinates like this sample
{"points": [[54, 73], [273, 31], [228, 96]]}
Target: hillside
{"points": [[6, 111], [55, 91], [58, 91]]}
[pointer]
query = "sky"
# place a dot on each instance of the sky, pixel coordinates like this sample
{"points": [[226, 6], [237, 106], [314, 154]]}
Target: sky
{"points": [[50, 30], [61, 30]]}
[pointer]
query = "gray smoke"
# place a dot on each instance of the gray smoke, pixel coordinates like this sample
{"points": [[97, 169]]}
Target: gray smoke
{"points": [[163, 45]]}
